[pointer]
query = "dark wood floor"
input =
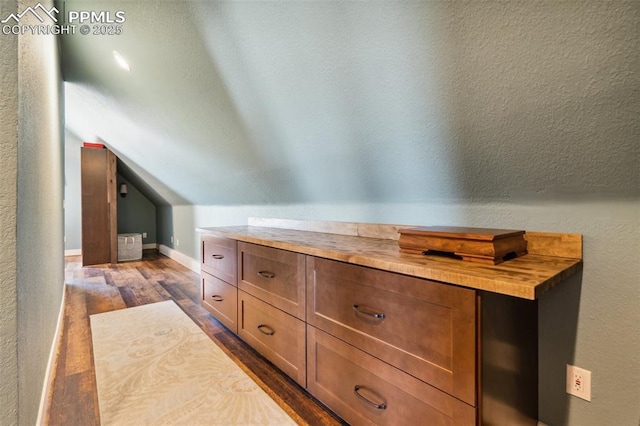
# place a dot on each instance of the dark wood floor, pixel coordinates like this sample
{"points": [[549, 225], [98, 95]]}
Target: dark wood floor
{"points": [[91, 290]]}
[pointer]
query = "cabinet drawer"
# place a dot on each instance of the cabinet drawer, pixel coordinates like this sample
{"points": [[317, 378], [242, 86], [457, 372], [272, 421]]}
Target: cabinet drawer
{"points": [[425, 328], [278, 336], [273, 275], [364, 390], [221, 299], [219, 257]]}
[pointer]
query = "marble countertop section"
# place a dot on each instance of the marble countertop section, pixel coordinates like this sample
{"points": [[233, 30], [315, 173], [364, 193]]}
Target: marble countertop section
{"points": [[526, 277]]}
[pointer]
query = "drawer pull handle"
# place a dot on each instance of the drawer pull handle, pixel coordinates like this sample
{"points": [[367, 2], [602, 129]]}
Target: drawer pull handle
{"points": [[217, 298], [368, 312], [265, 329], [217, 256], [266, 274], [356, 390]]}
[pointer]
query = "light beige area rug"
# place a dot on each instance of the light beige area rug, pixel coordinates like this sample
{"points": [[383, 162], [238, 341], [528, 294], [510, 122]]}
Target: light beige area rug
{"points": [[155, 366]]}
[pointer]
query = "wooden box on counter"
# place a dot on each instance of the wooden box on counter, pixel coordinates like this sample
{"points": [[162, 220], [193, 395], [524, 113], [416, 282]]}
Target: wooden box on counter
{"points": [[480, 245]]}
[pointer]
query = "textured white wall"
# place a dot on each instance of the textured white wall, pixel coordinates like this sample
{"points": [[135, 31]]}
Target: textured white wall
{"points": [[40, 252], [8, 223]]}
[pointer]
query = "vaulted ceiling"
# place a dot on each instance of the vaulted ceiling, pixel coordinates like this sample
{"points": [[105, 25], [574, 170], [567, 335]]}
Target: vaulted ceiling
{"points": [[234, 102]]}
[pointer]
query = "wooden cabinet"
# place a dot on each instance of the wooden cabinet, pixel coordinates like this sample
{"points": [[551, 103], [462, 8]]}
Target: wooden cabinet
{"points": [[219, 294], [383, 337], [424, 328], [99, 206]]}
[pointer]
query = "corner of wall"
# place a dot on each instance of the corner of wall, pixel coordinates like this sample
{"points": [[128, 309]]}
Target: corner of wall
{"points": [[181, 258]]}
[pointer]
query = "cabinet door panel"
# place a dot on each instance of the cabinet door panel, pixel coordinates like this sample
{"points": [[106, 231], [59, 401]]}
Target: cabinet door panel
{"points": [[221, 299], [425, 328], [366, 391], [99, 206], [273, 275], [219, 257], [278, 336]]}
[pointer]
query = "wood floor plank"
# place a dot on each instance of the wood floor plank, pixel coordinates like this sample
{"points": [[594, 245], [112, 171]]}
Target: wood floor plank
{"points": [[102, 288], [56, 405], [80, 408], [78, 357], [174, 290]]}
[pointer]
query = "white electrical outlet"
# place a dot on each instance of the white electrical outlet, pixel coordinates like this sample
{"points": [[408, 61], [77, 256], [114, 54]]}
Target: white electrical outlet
{"points": [[172, 239], [144, 235], [579, 382], [177, 242]]}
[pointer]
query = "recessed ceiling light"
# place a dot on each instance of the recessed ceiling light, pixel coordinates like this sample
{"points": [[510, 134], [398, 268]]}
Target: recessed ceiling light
{"points": [[121, 60]]}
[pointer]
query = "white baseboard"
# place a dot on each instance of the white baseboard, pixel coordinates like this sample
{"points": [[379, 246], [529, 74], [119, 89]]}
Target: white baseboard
{"points": [[181, 258], [78, 252], [48, 375]]}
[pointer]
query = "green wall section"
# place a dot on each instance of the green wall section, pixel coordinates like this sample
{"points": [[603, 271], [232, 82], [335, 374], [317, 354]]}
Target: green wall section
{"points": [[164, 222], [344, 102], [136, 213]]}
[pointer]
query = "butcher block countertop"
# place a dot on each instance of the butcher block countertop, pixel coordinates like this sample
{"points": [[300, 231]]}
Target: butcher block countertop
{"points": [[551, 258]]}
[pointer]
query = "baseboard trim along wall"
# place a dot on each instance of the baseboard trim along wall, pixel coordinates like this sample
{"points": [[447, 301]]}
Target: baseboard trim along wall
{"points": [[51, 364], [78, 252], [181, 258]]}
